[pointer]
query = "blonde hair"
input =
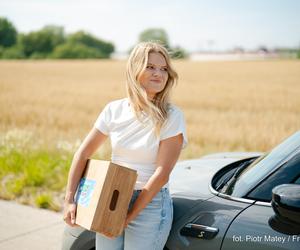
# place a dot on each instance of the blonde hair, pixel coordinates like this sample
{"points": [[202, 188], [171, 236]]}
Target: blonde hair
{"points": [[157, 108]]}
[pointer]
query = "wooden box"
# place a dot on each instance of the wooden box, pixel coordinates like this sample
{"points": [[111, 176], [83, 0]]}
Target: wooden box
{"points": [[103, 196]]}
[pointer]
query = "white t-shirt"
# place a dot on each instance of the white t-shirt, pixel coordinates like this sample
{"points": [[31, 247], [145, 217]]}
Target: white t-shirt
{"points": [[134, 143]]}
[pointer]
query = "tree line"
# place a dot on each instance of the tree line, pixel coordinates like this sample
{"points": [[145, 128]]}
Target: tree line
{"points": [[51, 42]]}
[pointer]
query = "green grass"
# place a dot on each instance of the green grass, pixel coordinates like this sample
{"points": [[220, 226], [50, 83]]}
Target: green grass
{"points": [[30, 174], [45, 200]]}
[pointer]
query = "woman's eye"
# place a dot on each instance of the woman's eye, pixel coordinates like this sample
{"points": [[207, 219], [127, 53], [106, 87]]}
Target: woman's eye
{"points": [[150, 67], [164, 69]]}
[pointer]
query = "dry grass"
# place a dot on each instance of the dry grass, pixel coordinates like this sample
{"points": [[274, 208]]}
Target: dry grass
{"points": [[228, 106]]}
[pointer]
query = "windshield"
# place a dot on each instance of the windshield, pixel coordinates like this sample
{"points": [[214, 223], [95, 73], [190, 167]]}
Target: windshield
{"points": [[260, 168]]}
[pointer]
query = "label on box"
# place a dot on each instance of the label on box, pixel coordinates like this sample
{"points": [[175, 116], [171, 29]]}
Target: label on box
{"points": [[85, 191]]}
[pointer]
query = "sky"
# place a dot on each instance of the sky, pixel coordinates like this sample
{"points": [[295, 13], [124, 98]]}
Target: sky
{"points": [[194, 25]]}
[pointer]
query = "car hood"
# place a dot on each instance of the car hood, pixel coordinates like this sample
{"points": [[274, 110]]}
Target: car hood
{"points": [[192, 177], [236, 155]]}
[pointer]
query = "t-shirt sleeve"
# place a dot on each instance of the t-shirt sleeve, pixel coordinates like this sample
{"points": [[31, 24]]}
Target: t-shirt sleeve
{"points": [[175, 125], [103, 120]]}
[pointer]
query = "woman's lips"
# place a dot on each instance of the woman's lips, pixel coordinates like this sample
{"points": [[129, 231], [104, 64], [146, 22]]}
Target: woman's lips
{"points": [[155, 80]]}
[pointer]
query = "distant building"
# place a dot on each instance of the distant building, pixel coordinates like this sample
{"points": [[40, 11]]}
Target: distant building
{"points": [[236, 55]]}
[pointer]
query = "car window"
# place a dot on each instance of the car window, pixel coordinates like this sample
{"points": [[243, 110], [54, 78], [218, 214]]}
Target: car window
{"points": [[260, 169], [297, 181], [287, 173]]}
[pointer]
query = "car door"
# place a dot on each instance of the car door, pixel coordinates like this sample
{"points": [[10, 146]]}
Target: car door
{"points": [[204, 226], [252, 229]]}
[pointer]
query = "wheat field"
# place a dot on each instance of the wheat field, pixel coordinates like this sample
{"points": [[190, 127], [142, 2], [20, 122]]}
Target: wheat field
{"points": [[228, 106]]}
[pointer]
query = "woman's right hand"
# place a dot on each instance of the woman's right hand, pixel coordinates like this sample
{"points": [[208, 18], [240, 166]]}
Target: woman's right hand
{"points": [[70, 213]]}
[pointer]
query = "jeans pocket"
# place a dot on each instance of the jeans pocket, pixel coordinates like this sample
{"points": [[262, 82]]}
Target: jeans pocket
{"points": [[156, 201], [167, 206], [165, 221]]}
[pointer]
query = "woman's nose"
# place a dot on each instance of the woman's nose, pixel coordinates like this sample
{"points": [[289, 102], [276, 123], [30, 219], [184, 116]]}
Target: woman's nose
{"points": [[156, 72]]}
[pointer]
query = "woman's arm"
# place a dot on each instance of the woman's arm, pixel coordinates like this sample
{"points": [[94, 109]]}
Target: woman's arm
{"points": [[168, 153], [90, 144]]}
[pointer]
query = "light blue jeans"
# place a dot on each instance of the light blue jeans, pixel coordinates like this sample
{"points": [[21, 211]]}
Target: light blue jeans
{"points": [[148, 231]]}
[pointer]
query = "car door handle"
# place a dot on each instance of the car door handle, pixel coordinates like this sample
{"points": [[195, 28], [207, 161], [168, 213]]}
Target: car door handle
{"points": [[199, 231]]}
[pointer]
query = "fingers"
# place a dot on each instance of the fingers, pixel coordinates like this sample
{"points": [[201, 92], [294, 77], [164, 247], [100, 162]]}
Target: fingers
{"points": [[73, 217], [70, 222], [67, 219], [70, 215]]}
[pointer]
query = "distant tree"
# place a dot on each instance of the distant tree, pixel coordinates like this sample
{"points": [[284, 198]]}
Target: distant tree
{"points": [[43, 41], [161, 36], [57, 32], [1, 51], [178, 53], [8, 33], [76, 50], [13, 52], [157, 35], [263, 49], [81, 37]]}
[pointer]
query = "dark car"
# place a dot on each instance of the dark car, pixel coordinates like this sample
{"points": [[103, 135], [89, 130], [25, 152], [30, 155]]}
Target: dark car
{"points": [[230, 201]]}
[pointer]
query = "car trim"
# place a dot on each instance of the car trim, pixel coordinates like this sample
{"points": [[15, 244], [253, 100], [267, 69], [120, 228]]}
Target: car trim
{"points": [[260, 203], [212, 190], [236, 198], [228, 197], [263, 203]]}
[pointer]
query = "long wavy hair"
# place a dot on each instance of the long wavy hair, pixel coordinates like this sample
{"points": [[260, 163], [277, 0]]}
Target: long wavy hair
{"points": [[157, 109]]}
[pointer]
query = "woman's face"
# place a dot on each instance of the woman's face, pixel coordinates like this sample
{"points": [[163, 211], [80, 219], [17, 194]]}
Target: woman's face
{"points": [[155, 76]]}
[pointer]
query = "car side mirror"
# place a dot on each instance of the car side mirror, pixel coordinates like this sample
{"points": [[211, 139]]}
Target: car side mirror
{"points": [[286, 205]]}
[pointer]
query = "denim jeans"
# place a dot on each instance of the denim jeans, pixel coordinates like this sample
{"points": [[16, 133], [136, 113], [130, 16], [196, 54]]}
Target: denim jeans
{"points": [[148, 231]]}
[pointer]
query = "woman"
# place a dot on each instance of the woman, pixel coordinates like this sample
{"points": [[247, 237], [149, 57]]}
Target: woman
{"points": [[147, 134]]}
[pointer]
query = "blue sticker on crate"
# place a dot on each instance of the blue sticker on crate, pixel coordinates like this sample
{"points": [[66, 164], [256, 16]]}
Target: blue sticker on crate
{"points": [[85, 191]]}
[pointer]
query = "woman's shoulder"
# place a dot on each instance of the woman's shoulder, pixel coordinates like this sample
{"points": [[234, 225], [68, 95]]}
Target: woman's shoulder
{"points": [[173, 109], [117, 104]]}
